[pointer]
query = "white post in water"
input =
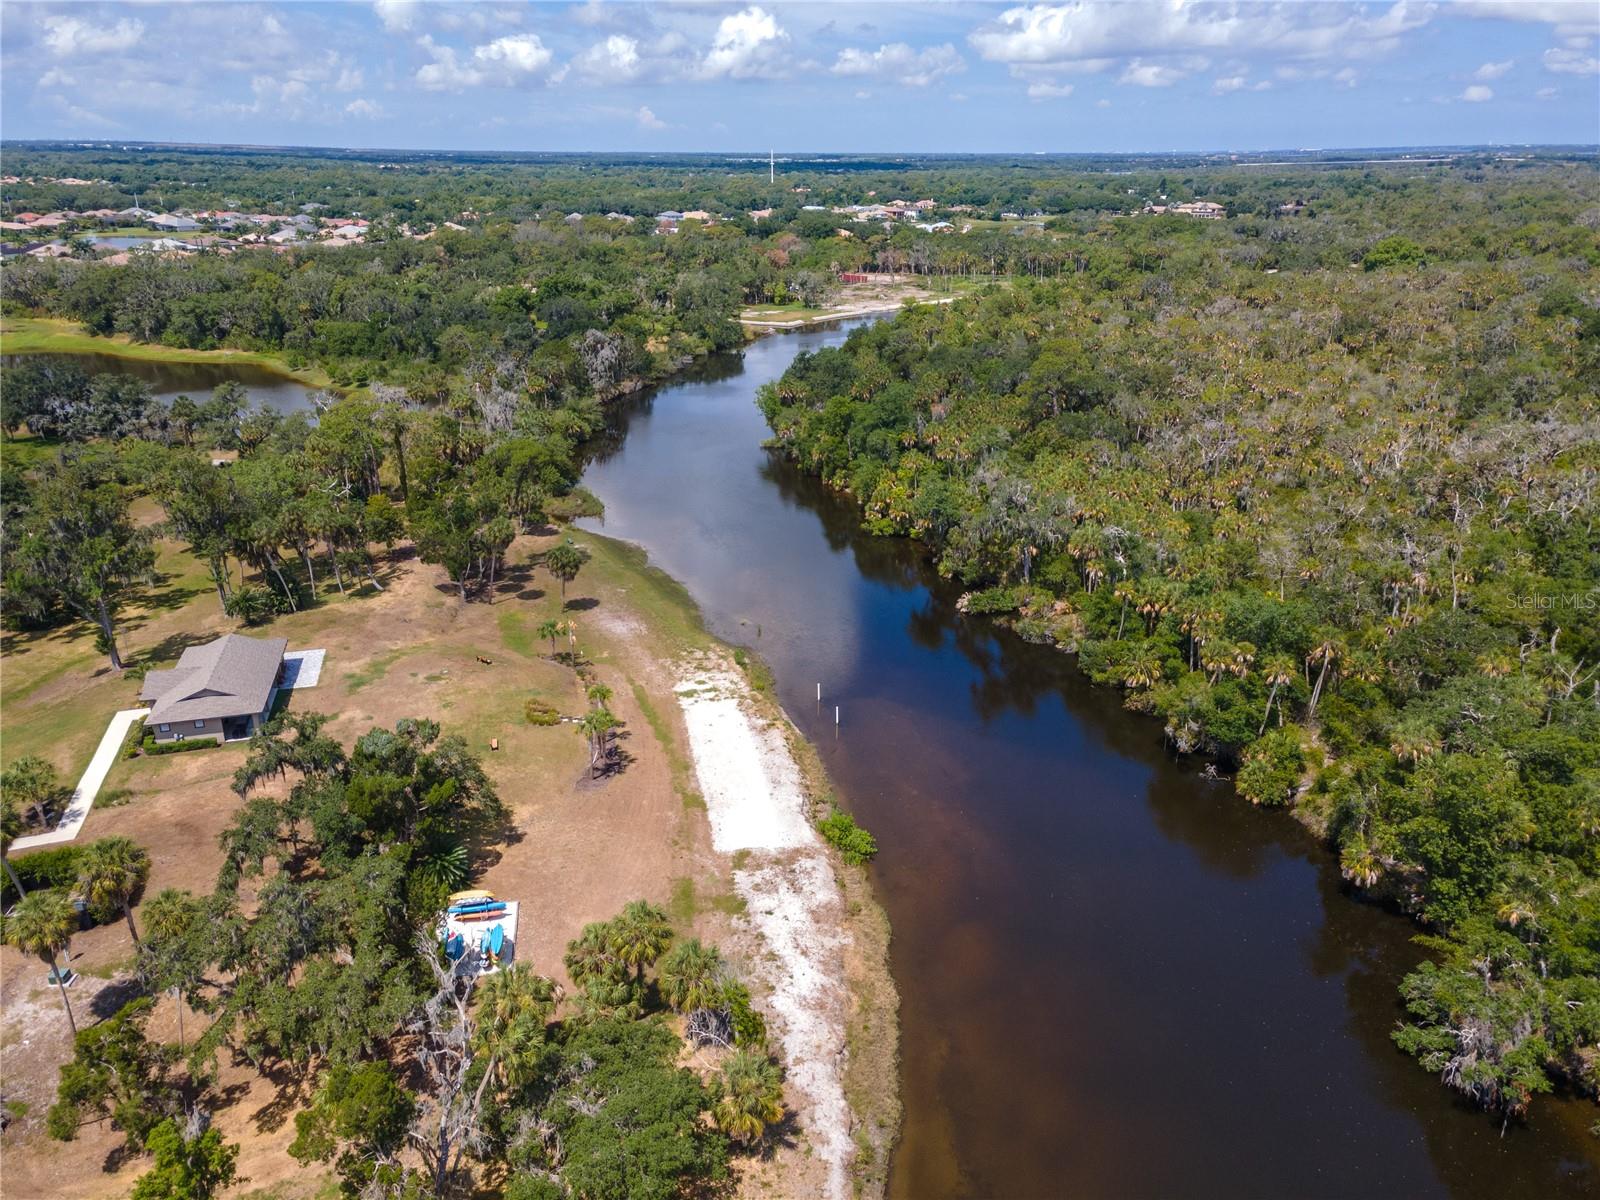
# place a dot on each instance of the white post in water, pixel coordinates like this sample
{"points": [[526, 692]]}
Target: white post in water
{"points": [[819, 693], [836, 716]]}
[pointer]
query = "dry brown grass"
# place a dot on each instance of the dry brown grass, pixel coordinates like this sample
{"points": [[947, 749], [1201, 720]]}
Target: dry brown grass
{"points": [[581, 849]]}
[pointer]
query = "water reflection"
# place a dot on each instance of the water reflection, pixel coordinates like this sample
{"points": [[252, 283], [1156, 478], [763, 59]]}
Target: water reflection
{"points": [[168, 380]]}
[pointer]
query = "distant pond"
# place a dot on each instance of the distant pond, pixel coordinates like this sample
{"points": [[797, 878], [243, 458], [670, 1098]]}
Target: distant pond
{"points": [[195, 379]]}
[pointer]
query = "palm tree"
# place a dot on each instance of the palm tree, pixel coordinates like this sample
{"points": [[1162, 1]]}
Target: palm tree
{"points": [[1127, 592], [1142, 669], [1325, 652], [1278, 670], [173, 955], [692, 976], [42, 924], [749, 1096], [600, 695], [1414, 741], [111, 873], [11, 824], [551, 629], [640, 935], [514, 1008], [564, 561], [589, 956], [31, 784], [596, 725]]}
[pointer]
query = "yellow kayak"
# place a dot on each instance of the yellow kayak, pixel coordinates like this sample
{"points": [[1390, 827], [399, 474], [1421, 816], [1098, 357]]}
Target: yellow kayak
{"points": [[464, 897]]}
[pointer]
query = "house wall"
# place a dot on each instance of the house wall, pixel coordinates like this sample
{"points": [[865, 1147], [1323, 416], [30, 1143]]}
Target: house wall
{"points": [[211, 728]]}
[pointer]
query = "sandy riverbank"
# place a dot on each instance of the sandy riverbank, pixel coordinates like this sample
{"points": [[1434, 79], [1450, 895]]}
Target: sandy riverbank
{"points": [[818, 954], [755, 322]]}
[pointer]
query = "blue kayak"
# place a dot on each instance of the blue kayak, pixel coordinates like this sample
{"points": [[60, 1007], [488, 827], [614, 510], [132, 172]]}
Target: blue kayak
{"points": [[497, 938], [479, 906]]}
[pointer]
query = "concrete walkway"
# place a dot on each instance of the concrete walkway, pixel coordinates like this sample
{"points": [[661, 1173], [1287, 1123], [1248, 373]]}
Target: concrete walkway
{"points": [[89, 786]]}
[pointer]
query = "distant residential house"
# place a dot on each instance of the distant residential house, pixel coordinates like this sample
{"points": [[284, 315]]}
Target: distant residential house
{"points": [[1206, 210], [760, 214], [927, 205], [220, 690], [573, 218], [284, 236], [1292, 209], [854, 277], [172, 223], [29, 218], [619, 216], [134, 214], [697, 214], [50, 221]]}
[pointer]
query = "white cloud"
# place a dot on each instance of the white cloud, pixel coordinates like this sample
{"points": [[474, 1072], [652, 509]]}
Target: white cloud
{"points": [[1568, 16], [510, 61], [615, 60], [1477, 94], [1084, 30], [1044, 90], [1546, 93], [66, 37], [744, 45], [56, 77], [1346, 76], [899, 63], [1493, 70], [397, 16], [364, 108], [648, 120], [1150, 75], [1238, 83], [1102, 104], [1571, 62]]}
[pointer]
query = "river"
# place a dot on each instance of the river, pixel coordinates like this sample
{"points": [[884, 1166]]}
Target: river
{"points": [[1117, 978]]}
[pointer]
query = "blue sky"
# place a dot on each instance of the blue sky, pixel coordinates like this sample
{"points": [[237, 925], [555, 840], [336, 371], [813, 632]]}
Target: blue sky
{"points": [[840, 76]]}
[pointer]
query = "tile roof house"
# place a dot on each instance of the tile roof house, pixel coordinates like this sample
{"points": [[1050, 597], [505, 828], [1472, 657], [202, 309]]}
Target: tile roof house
{"points": [[220, 690]]}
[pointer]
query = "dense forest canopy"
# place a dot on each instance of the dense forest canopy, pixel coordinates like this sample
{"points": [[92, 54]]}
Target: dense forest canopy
{"points": [[1336, 524]]}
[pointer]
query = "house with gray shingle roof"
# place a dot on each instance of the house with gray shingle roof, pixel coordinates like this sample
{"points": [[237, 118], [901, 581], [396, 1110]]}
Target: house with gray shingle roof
{"points": [[220, 690]]}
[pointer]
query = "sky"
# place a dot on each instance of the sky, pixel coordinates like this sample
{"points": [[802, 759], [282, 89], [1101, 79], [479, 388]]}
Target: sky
{"points": [[1139, 75]]}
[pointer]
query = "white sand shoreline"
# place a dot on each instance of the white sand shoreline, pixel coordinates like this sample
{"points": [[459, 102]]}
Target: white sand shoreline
{"points": [[758, 810]]}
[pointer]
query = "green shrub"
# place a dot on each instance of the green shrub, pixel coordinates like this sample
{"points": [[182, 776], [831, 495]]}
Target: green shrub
{"points": [[749, 1026], [253, 604], [540, 712], [1273, 767], [855, 844], [151, 746], [134, 742], [43, 869], [992, 600]]}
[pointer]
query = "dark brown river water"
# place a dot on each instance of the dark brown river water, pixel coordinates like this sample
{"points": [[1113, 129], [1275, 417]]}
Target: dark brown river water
{"points": [[1117, 978]]}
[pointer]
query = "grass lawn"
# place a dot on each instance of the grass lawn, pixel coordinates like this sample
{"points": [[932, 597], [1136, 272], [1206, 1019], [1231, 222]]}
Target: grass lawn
{"points": [[146, 231], [53, 335]]}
